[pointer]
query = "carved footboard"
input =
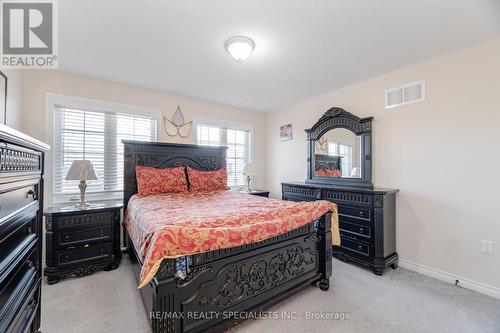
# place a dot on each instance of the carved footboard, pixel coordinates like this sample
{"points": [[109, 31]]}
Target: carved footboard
{"points": [[225, 283]]}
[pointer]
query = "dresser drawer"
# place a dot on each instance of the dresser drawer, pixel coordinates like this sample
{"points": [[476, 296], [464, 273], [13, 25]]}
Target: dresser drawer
{"points": [[27, 312], [85, 253], [359, 231], [73, 237], [297, 193], [15, 289], [356, 248], [12, 200], [355, 213]]}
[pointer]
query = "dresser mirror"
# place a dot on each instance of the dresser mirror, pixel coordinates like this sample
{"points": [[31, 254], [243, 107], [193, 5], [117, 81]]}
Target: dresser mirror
{"points": [[339, 150], [338, 154]]}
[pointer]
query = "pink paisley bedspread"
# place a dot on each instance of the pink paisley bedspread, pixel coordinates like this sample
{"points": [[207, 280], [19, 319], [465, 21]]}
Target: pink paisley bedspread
{"points": [[178, 224]]}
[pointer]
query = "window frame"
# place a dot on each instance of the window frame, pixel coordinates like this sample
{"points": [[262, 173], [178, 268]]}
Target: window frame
{"points": [[51, 100], [228, 125]]}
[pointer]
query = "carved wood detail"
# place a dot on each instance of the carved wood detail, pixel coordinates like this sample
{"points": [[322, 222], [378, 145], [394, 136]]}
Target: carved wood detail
{"points": [[243, 281]]}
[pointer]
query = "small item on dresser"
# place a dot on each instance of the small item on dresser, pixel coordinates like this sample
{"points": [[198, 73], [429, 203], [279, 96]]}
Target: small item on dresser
{"points": [[82, 170], [81, 241]]}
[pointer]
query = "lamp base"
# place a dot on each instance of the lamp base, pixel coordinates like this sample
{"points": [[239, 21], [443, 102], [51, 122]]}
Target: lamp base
{"points": [[82, 186], [249, 188]]}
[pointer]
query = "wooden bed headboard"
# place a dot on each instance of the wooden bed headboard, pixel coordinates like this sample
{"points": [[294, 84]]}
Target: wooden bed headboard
{"points": [[166, 155], [327, 162]]}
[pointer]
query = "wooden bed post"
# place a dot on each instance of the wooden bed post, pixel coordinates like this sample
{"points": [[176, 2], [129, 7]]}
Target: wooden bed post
{"points": [[166, 312], [325, 261]]}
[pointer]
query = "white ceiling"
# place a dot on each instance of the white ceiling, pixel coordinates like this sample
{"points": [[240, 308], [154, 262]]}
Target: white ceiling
{"points": [[303, 47]]}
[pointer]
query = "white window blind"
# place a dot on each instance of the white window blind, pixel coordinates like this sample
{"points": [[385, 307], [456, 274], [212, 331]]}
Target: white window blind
{"points": [[96, 136], [239, 143], [344, 151]]}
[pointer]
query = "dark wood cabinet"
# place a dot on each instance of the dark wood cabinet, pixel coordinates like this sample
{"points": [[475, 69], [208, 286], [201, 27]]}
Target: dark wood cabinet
{"points": [[259, 193], [81, 241], [21, 201], [367, 221]]}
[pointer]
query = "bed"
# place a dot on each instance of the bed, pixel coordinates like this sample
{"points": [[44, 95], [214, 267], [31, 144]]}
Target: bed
{"points": [[213, 290]]}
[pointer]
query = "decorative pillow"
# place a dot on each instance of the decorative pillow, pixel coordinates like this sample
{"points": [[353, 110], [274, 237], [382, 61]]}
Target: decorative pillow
{"points": [[155, 181], [207, 180], [324, 172]]}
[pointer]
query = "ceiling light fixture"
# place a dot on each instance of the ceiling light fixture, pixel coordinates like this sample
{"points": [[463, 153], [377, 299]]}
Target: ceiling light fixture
{"points": [[240, 47]]}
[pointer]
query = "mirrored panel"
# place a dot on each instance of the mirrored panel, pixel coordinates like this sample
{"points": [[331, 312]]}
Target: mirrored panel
{"points": [[338, 154]]}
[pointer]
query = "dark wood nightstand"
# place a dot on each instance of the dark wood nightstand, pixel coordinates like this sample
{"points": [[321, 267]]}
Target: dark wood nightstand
{"points": [[260, 193], [81, 241]]}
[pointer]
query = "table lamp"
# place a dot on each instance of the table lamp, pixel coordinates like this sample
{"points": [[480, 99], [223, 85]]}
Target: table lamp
{"points": [[82, 170], [249, 171]]}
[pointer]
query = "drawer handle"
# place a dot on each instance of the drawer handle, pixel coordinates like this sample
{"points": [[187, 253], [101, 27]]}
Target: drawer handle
{"points": [[66, 237], [33, 194], [361, 214], [361, 230], [360, 247], [29, 263], [29, 230]]}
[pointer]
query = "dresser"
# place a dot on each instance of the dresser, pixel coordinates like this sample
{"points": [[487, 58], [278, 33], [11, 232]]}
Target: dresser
{"points": [[339, 169], [21, 202], [81, 241], [367, 221]]}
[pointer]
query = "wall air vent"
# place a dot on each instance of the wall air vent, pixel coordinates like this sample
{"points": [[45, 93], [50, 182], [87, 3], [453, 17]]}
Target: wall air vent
{"points": [[407, 94]]}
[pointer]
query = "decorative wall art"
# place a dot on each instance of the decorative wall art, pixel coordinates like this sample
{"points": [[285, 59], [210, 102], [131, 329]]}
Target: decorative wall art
{"points": [[3, 98], [178, 125], [286, 132], [322, 144]]}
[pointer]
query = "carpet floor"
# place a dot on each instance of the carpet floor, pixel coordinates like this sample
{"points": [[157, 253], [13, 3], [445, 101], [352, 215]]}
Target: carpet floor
{"points": [[358, 301]]}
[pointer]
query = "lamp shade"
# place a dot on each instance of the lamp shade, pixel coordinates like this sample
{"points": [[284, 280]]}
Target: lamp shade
{"points": [[81, 170], [249, 170]]}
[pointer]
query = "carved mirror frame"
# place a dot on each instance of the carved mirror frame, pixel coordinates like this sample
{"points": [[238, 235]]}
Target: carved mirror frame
{"points": [[339, 118]]}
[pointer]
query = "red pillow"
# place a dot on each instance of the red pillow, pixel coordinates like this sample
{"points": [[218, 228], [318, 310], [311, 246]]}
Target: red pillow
{"points": [[323, 172], [207, 180], [155, 181]]}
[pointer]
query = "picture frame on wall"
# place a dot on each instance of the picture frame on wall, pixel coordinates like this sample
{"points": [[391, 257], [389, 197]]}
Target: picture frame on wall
{"points": [[3, 98], [286, 132]]}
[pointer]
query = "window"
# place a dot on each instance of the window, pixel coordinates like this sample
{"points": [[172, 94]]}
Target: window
{"points": [[239, 149], [95, 136], [344, 151]]}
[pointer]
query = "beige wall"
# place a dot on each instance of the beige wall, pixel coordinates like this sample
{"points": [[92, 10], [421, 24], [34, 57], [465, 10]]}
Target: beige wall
{"points": [[37, 83], [443, 154], [13, 98]]}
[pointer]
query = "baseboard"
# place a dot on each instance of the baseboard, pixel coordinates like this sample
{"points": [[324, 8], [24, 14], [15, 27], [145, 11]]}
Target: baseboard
{"points": [[451, 278]]}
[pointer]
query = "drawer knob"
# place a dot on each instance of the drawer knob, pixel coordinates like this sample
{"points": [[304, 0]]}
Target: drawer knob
{"points": [[33, 194], [66, 237], [29, 263], [360, 247], [29, 230], [361, 230], [361, 214]]}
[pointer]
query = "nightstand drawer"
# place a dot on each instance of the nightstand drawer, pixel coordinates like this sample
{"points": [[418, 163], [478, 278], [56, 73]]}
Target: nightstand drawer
{"points": [[358, 231], [73, 237], [85, 253], [85, 219]]}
